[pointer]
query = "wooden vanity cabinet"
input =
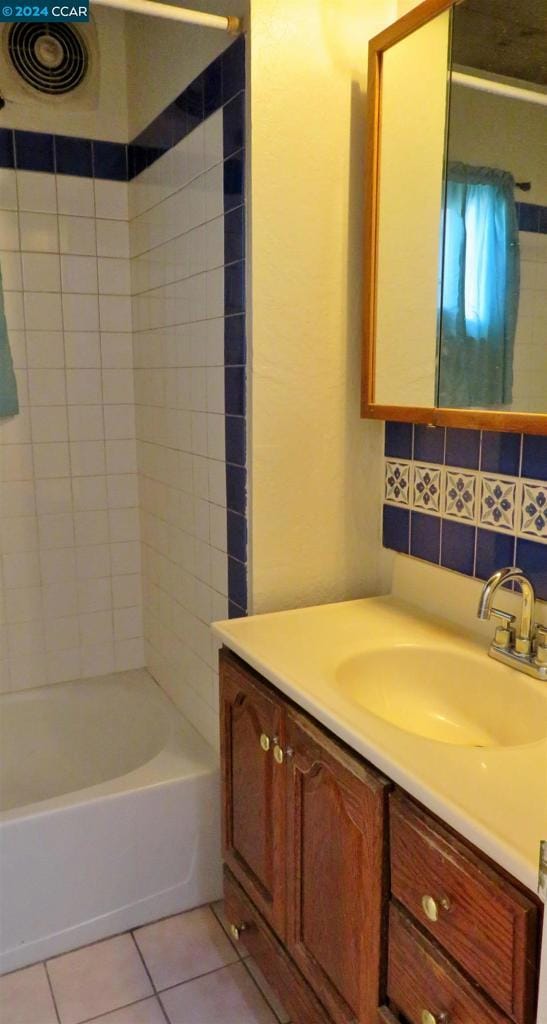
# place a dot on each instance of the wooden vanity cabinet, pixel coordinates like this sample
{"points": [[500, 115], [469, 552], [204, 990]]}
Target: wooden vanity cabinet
{"points": [[359, 906], [304, 838], [335, 871], [252, 723]]}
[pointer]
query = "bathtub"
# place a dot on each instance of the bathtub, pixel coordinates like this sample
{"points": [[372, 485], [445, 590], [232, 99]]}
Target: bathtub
{"points": [[109, 814]]}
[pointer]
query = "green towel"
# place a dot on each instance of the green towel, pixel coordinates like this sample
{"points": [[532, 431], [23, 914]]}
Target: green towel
{"points": [[9, 403]]}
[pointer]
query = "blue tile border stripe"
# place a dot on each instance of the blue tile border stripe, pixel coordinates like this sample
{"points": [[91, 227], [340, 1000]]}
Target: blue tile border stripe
{"points": [[230, 73], [471, 501], [532, 217]]}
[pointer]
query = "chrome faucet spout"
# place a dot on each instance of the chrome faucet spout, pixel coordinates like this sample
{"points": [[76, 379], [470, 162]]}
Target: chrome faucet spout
{"points": [[507, 575], [490, 587], [526, 648]]}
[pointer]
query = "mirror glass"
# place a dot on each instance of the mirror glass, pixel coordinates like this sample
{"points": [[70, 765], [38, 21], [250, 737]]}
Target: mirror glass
{"points": [[461, 266]]}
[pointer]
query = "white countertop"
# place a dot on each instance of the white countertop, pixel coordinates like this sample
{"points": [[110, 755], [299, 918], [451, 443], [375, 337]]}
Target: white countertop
{"points": [[494, 796]]}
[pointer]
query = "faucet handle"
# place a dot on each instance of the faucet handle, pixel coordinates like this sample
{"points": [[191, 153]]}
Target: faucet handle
{"points": [[505, 632], [541, 644]]}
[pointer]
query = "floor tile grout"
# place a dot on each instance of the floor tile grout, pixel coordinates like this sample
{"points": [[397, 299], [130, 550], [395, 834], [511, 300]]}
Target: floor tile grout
{"points": [[52, 992], [134, 1002], [150, 978], [156, 992]]}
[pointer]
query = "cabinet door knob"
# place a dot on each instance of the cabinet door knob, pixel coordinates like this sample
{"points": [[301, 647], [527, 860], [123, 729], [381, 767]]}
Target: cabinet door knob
{"points": [[265, 742], [278, 753], [236, 930], [434, 1018], [431, 906]]}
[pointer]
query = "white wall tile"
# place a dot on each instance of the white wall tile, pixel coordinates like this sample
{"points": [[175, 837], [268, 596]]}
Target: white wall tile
{"points": [[49, 423], [114, 276], [12, 272], [47, 386], [87, 458], [119, 421], [79, 274], [39, 233], [75, 196], [45, 350], [51, 460], [8, 189], [112, 238], [41, 309], [111, 200], [36, 192], [82, 349], [85, 422], [80, 312], [89, 493], [9, 230], [77, 236], [53, 496], [84, 387], [56, 531]]}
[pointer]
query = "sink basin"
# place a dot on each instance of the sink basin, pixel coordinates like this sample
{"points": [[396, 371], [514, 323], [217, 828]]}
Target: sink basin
{"points": [[445, 695]]}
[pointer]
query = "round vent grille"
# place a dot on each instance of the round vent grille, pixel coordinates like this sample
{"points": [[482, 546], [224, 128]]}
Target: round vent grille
{"points": [[50, 58]]}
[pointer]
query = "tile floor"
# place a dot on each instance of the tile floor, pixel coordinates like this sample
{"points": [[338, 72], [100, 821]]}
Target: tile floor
{"points": [[180, 970]]}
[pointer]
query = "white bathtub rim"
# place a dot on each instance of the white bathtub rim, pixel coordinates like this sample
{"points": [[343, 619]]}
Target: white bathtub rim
{"points": [[186, 754]]}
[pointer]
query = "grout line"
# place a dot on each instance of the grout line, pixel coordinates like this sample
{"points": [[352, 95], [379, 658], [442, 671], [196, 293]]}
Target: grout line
{"points": [[150, 978], [52, 992], [196, 977], [134, 1002]]}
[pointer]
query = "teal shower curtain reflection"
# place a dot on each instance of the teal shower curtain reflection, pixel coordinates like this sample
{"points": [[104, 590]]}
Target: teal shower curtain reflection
{"points": [[9, 402], [480, 291]]}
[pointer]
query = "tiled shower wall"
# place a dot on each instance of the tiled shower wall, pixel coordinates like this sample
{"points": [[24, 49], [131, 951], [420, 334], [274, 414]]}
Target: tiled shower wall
{"points": [[71, 589], [187, 249], [72, 483]]}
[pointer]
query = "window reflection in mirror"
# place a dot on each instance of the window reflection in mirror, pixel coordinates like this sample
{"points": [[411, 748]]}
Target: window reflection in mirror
{"points": [[493, 317]]}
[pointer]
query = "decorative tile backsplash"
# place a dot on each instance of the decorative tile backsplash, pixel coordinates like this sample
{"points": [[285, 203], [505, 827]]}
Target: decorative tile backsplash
{"points": [[467, 500]]}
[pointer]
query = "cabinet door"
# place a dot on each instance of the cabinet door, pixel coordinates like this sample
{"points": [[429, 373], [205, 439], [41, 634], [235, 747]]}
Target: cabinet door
{"points": [[252, 720], [336, 872]]}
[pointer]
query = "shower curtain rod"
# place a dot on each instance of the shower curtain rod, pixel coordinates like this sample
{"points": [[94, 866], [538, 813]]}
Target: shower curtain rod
{"points": [[512, 92], [159, 10]]}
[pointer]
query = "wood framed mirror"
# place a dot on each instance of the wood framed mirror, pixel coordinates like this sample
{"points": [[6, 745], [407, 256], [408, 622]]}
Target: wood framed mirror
{"points": [[455, 286]]}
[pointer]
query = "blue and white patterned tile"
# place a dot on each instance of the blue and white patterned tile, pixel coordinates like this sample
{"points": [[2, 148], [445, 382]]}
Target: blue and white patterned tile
{"points": [[397, 482], [498, 501], [460, 495], [426, 488], [533, 510]]}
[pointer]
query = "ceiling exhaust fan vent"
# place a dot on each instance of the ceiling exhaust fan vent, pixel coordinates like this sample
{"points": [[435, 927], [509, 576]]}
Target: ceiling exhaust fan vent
{"points": [[51, 58]]}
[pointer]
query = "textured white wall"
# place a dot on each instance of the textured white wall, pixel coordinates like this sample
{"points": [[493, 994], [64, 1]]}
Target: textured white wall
{"points": [[315, 474]]}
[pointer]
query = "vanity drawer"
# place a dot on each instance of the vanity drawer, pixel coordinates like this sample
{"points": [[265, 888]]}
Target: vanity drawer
{"points": [[423, 984], [486, 924], [277, 967]]}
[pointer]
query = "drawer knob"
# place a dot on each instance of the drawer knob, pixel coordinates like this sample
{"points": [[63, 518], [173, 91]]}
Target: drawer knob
{"points": [[434, 1018], [431, 907], [265, 742], [236, 930], [278, 753]]}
